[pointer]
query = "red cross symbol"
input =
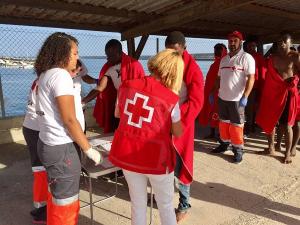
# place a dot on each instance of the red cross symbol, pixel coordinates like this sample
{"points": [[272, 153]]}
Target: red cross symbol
{"points": [[138, 111]]}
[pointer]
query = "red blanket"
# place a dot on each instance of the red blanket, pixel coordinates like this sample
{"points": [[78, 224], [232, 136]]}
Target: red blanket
{"points": [[105, 102], [298, 110], [190, 109], [274, 99], [260, 76], [260, 70], [209, 113]]}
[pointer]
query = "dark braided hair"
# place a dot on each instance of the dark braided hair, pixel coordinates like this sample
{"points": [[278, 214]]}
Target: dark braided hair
{"points": [[55, 52]]}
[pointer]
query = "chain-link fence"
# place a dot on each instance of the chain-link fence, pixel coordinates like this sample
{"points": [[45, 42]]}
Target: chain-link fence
{"points": [[19, 46]]}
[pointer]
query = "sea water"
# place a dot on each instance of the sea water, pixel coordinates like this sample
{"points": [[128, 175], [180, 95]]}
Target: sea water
{"points": [[16, 83]]}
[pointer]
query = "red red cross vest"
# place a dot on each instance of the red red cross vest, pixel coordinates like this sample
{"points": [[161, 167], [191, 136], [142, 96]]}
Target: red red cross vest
{"points": [[142, 143]]}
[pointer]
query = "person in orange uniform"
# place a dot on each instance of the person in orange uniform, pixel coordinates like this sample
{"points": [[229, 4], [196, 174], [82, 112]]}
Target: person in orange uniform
{"points": [[31, 135], [142, 146], [61, 123], [235, 82]]}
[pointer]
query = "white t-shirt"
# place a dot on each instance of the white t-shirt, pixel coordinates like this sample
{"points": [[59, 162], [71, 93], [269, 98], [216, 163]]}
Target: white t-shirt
{"points": [[233, 75], [31, 120], [53, 83], [175, 114], [77, 87], [114, 72], [78, 79]]}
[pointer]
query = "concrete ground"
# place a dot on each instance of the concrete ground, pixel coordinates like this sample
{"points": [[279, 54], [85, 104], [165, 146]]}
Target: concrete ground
{"points": [[261, 190]]}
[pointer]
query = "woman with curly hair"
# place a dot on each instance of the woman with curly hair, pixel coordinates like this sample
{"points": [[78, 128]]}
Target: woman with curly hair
{"points": [[61, 124], [142, 146]]}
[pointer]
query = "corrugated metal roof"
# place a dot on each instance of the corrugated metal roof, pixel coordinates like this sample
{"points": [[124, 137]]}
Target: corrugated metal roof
{"points": [[196, 18]]}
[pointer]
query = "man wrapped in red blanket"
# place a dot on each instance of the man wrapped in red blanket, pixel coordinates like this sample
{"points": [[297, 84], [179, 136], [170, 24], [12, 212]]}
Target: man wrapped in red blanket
{"points": [[279, 100], [119, 67], [209, 112], [191, 101]]}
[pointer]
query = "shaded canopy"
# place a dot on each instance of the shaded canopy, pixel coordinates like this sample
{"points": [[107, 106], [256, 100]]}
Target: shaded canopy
{"points": [[132, 18]]}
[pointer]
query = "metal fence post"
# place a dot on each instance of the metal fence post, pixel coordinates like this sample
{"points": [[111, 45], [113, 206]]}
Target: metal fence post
{"points": [[2, 99]]}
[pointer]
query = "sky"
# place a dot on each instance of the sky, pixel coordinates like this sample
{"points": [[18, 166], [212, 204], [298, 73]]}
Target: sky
{"points": [[25, 41]]}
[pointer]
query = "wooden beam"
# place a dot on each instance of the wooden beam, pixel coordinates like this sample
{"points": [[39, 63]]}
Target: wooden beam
{"points": [[261, 9], [228, 25], [131, 47], [141, 46], [186, 15], [58, 24], [75, 7]]}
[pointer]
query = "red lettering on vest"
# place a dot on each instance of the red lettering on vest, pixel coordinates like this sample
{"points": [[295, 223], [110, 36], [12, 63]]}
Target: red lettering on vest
{"points": [[138, 110]]}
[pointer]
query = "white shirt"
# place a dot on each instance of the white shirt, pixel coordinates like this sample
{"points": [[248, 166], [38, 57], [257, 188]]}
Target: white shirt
{"points": [[175, 114], [31, 120], [114, 72], [77, 87], [78, 79], [233, 75], [53, 83]]}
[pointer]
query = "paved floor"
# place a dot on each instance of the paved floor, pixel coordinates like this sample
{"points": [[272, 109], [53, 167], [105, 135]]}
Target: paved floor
{"points": [[261, 190]]}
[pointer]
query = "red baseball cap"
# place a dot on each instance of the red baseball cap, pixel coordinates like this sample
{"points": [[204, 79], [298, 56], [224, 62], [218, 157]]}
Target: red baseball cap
{"points": [[235, 34]]}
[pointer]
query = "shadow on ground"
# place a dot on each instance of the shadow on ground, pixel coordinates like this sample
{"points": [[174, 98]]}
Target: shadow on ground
{"points": [[238, 199]]}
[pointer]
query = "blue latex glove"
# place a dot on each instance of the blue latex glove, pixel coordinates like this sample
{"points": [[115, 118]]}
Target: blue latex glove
{"points": [[211, 99], [243, 101]]}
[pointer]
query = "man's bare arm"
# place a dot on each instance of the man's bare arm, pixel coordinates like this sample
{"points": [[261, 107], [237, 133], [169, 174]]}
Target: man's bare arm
{"points": [[297, 62], [93, 93], [89, 80], [249, 85]]}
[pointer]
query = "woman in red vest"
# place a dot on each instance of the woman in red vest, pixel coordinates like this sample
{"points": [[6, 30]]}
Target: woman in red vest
{"points": [[149, 114]]}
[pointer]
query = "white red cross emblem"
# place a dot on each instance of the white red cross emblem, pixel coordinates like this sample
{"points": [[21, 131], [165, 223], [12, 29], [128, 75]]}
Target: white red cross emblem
{"points": [[138, 110]]}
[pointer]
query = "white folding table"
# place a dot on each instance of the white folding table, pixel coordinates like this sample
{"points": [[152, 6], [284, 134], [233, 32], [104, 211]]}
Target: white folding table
{"points": [[102, 143]]}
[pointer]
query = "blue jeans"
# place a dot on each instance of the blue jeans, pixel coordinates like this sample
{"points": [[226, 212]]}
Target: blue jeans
{"points": [[184, 189]]}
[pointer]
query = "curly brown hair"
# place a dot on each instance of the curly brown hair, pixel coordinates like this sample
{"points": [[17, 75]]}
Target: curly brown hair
{"points": [[55, 52]]}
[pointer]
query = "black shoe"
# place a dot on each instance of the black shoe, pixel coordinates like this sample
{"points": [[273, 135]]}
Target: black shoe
{"points": [[34, 212], [37, 211], [238, 155], [221, 148], [40, 218]]}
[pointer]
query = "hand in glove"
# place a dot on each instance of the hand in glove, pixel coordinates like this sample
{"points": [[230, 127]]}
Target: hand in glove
{"points": [[94, 155], [243, 101]]}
